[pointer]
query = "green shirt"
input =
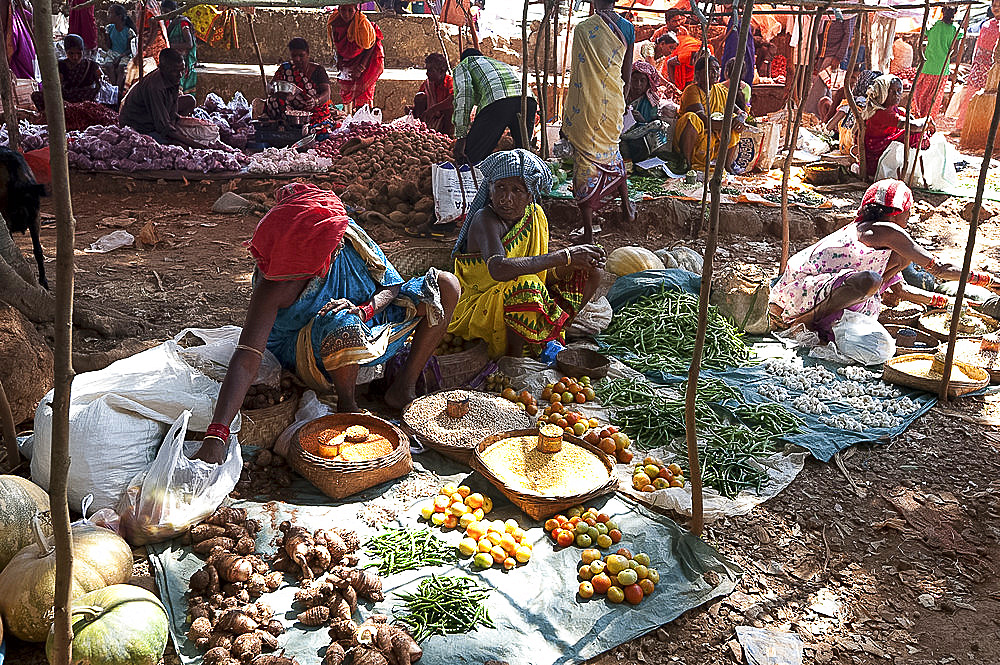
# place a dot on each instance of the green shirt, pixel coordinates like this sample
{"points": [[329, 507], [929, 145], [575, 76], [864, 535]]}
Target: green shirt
{"points": [[480, 81], [939, 39]]}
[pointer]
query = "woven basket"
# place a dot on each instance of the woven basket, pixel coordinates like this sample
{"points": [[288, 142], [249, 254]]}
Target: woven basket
{"points": [[582, 362], [895, 372], [339, 479], [922, 324], [932, 343], [415, 261], [535, 506], [261, 427], [459, 453], [457, 369], [967, 351], [903, 314]]}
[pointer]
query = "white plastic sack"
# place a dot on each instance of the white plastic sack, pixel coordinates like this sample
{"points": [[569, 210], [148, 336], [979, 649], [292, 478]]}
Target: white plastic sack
{"points": [[935, 165], [117, 418], [310, 408], [364, 114], [454, 190], [232, 203], [862, 339], [175, 491], [406, 121], [592, 319], [213, 356], [110, 242]]}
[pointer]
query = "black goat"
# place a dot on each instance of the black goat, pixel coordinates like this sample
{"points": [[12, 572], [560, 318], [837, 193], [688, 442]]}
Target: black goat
{"points": [[20, 199]]}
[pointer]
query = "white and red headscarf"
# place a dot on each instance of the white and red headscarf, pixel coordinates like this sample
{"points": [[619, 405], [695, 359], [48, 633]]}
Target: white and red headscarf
{"points": [[890, 193]]}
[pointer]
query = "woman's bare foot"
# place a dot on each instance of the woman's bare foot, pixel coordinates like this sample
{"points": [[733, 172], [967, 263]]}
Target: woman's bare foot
{"points": [[628, 210], [345, 406], [397, 397]]}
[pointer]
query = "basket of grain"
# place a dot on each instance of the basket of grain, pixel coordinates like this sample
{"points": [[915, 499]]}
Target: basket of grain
{"points": [[540, 483], [970, 324], [979, 354], [345, 453], [916, 370], [427, 419], [903, 314]]}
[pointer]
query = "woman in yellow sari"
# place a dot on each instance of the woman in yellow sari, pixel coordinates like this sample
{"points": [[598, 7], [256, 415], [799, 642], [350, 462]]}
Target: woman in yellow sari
{"points": [[699, 111], [595, 107], [515, 292]]}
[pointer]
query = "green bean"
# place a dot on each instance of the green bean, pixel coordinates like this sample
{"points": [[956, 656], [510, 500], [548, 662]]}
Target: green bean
{"points": [[444, 605], [406, 549]]}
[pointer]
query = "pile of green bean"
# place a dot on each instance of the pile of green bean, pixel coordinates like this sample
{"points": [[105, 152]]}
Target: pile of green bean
{"points": [[770, 417], [444, 605], [711, 389], [408, 549], [657, 333]]}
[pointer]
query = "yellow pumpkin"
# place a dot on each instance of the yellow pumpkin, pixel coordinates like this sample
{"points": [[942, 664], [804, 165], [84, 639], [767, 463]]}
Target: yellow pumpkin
{"points": [[627, 260], [27, 584], [20, 501]]}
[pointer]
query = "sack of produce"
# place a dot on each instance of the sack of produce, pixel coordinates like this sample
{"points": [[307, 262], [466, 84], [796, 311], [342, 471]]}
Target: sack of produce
{"points": [[175, 491], [454, 190], [863, 339], [200, 132], [117, 418]]}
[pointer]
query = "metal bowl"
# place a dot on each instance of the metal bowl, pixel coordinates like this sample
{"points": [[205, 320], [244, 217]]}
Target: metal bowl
{"points": [[283, 88], [297, 118]]}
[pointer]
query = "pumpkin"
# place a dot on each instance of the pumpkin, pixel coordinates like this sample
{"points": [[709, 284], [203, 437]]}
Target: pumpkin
{"points": [[627, 260], [27, 584], [121, 624], [20, 499]]}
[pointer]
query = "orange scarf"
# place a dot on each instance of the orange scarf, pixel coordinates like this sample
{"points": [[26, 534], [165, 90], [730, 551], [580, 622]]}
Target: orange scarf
{"points": [[360, 31]]}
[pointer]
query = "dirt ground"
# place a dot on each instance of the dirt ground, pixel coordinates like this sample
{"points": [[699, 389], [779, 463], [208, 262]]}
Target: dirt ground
{"points": [[890, 556]]}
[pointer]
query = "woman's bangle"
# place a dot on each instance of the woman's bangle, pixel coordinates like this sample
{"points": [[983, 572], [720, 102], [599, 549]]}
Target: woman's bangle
{"points": [[569, 257], [939, 301], [367, 311], [218, 431], [980, 278]]}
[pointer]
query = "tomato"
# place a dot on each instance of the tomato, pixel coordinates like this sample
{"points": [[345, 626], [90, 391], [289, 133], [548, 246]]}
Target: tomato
{"points": [[592, 438], [565, 538], [508, 393], [561, 422], [627, 577], [676, 482], [531, 409], [624, 456], [612, 429], [675, 469], [561, 519], [579, 429], [567, 397], [590, 555], [615, 535], [589, 393], [624, 552], [616, 594], [604, 541], [601, 583], [651, 470], [551, 524], [621, 441], [597, 567], [642, 558], [585, 573], [589, 521], [559, 388], [584, 540], [546, 394], [653, 576], [586, 590], [573, 387], [647, 586], [633, 594], [566, 380], [640, 480], [603, 518], [661, 483]]}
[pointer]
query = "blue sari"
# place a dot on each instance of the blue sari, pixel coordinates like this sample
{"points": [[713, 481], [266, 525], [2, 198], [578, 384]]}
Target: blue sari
{"points": [[314, 345]]}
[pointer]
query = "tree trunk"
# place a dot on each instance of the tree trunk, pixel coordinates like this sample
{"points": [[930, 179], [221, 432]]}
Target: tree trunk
{"points": [[7, 96]]}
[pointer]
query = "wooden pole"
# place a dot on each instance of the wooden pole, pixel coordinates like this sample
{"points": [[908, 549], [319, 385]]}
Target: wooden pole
{"points": [[63, 348], [859, 122], [444, 49], [909, 102], [970, 247], [691, 395], [8, 431], [8, 97], [562, 77], [708, 127], [787, 167], [525, 136], [140, 15], [256, 47], [541, 76]]}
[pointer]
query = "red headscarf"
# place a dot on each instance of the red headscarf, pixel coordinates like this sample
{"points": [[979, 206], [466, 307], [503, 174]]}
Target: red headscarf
{"points": [[297, 237], [890, 193]]}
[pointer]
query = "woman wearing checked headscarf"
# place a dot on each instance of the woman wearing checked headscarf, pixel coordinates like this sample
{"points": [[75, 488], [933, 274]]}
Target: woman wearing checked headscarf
{"points": [[515, 292]]}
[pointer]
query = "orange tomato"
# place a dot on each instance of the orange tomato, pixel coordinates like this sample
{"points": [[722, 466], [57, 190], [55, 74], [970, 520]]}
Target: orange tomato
{"points": [[565, 538], [601, 583], [580, 398], [526, 397], [551, 524], [623, 456], [573, 387], [603, 518], [615, 535], [498, 554], [561, 519], [547, 393], [647, 586], [559, 388], [633, 594]]}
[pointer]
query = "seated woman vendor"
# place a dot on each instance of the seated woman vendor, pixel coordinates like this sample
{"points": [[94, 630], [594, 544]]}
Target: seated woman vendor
{"points": [[858, 266], [885, 122], [326, 301], [80, 77], [701, 108], [434, 103], [515, 292], [313, 85]]}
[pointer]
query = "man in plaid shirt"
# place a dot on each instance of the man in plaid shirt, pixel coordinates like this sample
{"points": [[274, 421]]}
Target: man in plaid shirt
{"points": [[494, 89]]}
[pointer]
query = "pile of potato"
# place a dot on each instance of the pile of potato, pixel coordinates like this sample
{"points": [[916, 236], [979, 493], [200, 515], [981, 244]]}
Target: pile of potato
{"points": [[261, 396]]}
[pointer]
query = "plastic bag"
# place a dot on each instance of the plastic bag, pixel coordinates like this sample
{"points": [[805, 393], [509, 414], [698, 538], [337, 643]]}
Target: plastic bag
{"points": [[108, 94], [454, 190], [935, 164], [863, 339], [175, 491], [592, 319], [405, 121], [201, 132], [310, 408], [213, 355], [365, 114], [110, 242]]}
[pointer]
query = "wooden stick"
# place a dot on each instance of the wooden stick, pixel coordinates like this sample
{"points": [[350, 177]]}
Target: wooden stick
{"points": [[63, 347], [524, 79], [708, 127], [845, 7], [140, 15], [787, 167], [540, 82], [8, 97], [8, 431], [562, 78], [859, 122], [437, 31], [970, 247], [552, 60], [256, 47], [921, 59], [691, 396]]}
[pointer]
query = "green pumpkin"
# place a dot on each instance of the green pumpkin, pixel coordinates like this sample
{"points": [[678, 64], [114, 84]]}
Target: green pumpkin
{"points": [[20, 499], [121, 624]]}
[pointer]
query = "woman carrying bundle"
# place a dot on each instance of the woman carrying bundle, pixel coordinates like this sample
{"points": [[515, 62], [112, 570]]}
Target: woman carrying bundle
{"points": [[314, 89], [515, 292], [326, 302], [858, 266], [360, 57], [885, 122]]}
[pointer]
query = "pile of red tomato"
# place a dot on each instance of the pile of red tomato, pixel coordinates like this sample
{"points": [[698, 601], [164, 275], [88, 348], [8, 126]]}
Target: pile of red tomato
{"points": [[619, 576], [524, 398], [583, 527]]}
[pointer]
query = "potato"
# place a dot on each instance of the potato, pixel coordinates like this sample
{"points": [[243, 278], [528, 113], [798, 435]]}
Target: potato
{"points": [[425, 204], [398, 217]]}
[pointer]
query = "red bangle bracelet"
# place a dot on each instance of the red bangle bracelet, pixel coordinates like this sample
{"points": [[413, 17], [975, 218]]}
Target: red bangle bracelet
{"points": [[219, 430], [980, 278], [367, 311], [938, 300]]}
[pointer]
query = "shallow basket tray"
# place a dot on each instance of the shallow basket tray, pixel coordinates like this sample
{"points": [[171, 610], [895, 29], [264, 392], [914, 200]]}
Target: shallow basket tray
{"points": [[582, 362], [535, 506], [934, 344], [921, 323], [902, 315], [461, 454], [261, 427], [895, 372], [415, 261], [339, 479]]}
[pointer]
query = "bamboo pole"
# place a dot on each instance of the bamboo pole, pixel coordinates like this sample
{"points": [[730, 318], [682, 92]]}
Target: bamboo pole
{"points": [[140, 14], [541, 76], [63, 347], [704, 21], [8, 431], [859, 122], [937, 86], [256, 48], [691, 396], [524, 78], [551, 64], [8, 97], [787, 167], [565, 59], [844, 7], [921, 59], [970, 247]]}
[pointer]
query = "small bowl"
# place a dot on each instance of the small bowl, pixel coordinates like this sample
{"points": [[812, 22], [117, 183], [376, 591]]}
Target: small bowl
{"points": [[583, 362]]}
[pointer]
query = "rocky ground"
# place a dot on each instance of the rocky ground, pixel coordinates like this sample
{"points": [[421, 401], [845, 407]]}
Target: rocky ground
{"points": [[888, 556]]}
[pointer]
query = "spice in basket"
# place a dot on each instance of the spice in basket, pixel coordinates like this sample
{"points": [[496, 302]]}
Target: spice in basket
{"points": [[519, 464], [487, 415]]}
